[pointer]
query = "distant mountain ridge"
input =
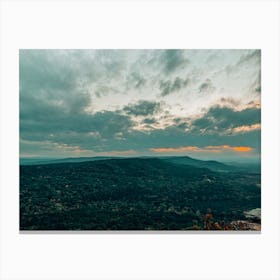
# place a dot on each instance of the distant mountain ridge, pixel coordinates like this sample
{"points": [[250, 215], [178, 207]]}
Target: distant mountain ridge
{"points": [[210, 164], [182, 160], [39, 161]]}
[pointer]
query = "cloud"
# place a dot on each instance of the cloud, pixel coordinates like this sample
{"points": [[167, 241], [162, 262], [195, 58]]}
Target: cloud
{"points": [[230, 102], [220, 119], [173, 59], [54, 149], [106, 123], [244, 128], [136, 80], [206, 87], [142, 108], [250, 57], [109, 123], [50, 148], [255, 87], [168, 87], [150, 121]]}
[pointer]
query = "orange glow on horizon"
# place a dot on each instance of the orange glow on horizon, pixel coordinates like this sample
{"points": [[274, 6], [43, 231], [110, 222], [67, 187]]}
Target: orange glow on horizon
{"points": [[242, 149], [207, 149]]}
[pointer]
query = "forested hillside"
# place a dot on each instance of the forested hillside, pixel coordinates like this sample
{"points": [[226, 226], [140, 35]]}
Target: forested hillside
{"points": [[133, 194]]}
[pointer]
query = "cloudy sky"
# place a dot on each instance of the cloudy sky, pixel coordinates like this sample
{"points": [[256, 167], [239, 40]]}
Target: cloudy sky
{"points": [[201, 103]]}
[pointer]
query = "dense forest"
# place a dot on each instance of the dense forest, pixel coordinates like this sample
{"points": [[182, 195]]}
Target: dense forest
{"points": [[136, 194]]}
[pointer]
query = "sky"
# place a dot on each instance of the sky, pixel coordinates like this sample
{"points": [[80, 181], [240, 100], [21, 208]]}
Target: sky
{"points": [[200, 103]]}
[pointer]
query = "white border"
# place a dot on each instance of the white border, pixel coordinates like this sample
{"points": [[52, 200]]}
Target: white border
{"points": [[156, 24]]}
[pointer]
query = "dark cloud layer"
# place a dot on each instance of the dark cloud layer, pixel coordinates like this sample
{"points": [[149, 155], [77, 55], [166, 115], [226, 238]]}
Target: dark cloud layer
{"points": [[142, 108], [113, 130], [220, 119], [106, 123]]}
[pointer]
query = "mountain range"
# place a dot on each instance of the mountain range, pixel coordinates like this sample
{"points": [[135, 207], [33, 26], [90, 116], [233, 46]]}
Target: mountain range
{"points": [[184, 160]]}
